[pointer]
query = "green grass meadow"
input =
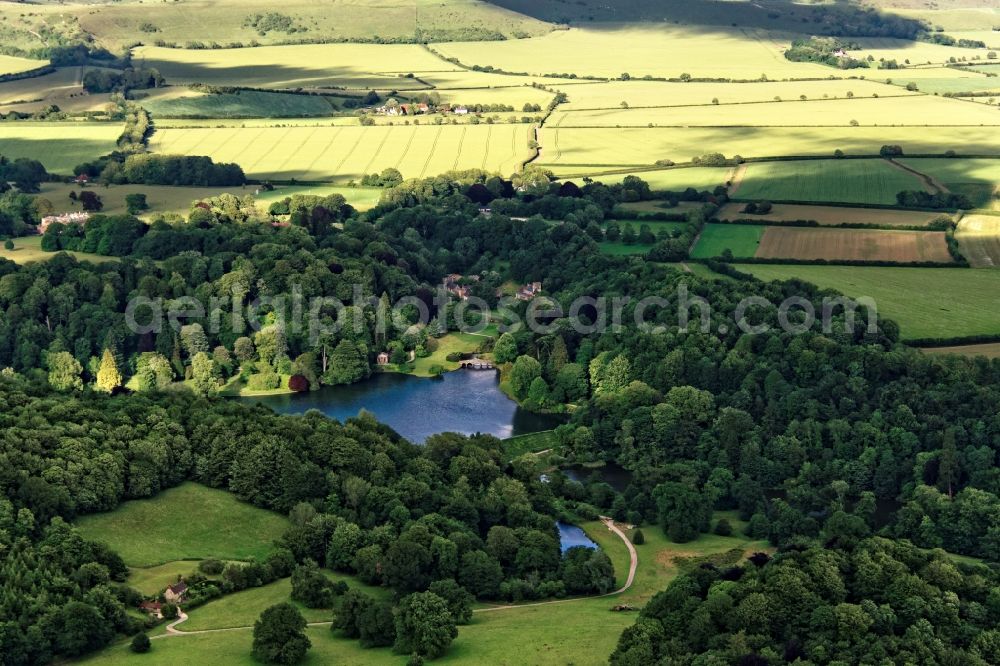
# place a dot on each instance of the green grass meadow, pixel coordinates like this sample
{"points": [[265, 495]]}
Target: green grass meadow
{"points": [[189, 522], [927, 303], [842, 181], [740, 239]]}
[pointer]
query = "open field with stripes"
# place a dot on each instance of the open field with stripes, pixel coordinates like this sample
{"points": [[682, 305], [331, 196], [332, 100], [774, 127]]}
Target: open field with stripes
{"points": [[979, 238], [811, 243], [59, 146], [347, 153], [854, 245], [634, 146]]}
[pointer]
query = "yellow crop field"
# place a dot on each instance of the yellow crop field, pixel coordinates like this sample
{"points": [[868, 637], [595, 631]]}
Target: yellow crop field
{"points": [[922, 110], [643, 147], [663, 50], [59, 146], [380, 66], [347, 153], [611, 94], [15, 65], [979, 238], [918, 53]]}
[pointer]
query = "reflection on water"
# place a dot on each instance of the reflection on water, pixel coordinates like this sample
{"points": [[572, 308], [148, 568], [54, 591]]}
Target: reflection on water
{"points": [[571, 535], [464, 401], [610, 473]]}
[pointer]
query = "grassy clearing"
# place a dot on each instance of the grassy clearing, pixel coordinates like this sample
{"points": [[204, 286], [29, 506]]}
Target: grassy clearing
{"points": [[241, 104], [611, 147], [243, 608], [361, 198], [832, 215], [979, 179], [160, 198], [920, 110], [610, 95], [347, 153], [59, 146], [740, 239], [516, 447], [854, 244], [662, 50], [460, 343], [925, 302], [29, 248], [847, 181], [188, 522], [152, 580], [619, 249], [979, 238]]}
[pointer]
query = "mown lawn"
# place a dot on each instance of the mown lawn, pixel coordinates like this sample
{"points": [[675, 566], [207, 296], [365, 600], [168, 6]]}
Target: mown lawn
{"points": [[29, 248], [152, 580], [532, 443], [189, 522]]}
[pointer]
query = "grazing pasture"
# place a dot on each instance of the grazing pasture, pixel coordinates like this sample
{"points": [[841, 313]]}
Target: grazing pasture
{"points": [[853, 244], [640, 94], [843, 181], [832, 215], [927, 303], [190, 521], [159, 198], [224, 21], [742, 240], [347, 153], [661, 50], [358, 66], [60, 146], [610, 147], [979, 238], [918, 110]]}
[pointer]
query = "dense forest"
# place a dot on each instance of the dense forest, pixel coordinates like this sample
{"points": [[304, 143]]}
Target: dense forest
{"points": [[821, 440]]}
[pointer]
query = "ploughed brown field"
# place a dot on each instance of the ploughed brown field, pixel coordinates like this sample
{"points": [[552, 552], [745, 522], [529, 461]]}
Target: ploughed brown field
{"points": [[832, 215], [853, 244]]}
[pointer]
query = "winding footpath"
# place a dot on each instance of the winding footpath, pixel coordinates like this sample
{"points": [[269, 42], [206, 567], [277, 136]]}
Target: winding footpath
{"points": [[172, 631]]}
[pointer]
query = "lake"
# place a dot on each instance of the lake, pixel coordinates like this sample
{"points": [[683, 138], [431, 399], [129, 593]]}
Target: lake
{"points": [[464, 401], [571, 535]]}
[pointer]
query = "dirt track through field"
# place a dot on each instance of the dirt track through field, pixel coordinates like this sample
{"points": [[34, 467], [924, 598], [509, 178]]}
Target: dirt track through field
{"points": [[853, 244], [736, 179], [172, 631], [931, 184]]}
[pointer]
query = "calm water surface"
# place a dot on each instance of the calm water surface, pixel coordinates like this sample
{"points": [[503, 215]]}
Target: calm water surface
{"points": [[464, 401], [571, 535]]}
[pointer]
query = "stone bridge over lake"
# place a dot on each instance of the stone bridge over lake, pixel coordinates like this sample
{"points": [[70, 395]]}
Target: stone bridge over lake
{"points": [[477, 364]]}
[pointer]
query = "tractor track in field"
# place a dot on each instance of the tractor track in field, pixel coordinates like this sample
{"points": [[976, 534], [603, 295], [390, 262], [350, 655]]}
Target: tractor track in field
{"points": [[931, 184]]}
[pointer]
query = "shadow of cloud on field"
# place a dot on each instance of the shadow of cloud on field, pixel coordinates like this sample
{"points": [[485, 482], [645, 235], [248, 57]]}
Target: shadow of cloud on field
{"points": [[58, 155], [842, 17]]}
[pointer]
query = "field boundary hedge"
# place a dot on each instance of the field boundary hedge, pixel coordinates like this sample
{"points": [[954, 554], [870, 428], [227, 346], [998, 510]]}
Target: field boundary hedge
{"points": [[813, 224], [28, 74], [954, 342], [843, 262]]}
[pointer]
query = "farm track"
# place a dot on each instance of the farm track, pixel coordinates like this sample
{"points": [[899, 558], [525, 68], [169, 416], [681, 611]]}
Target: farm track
{"points": [[173, 632], [931, 184], [736, 179]]}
